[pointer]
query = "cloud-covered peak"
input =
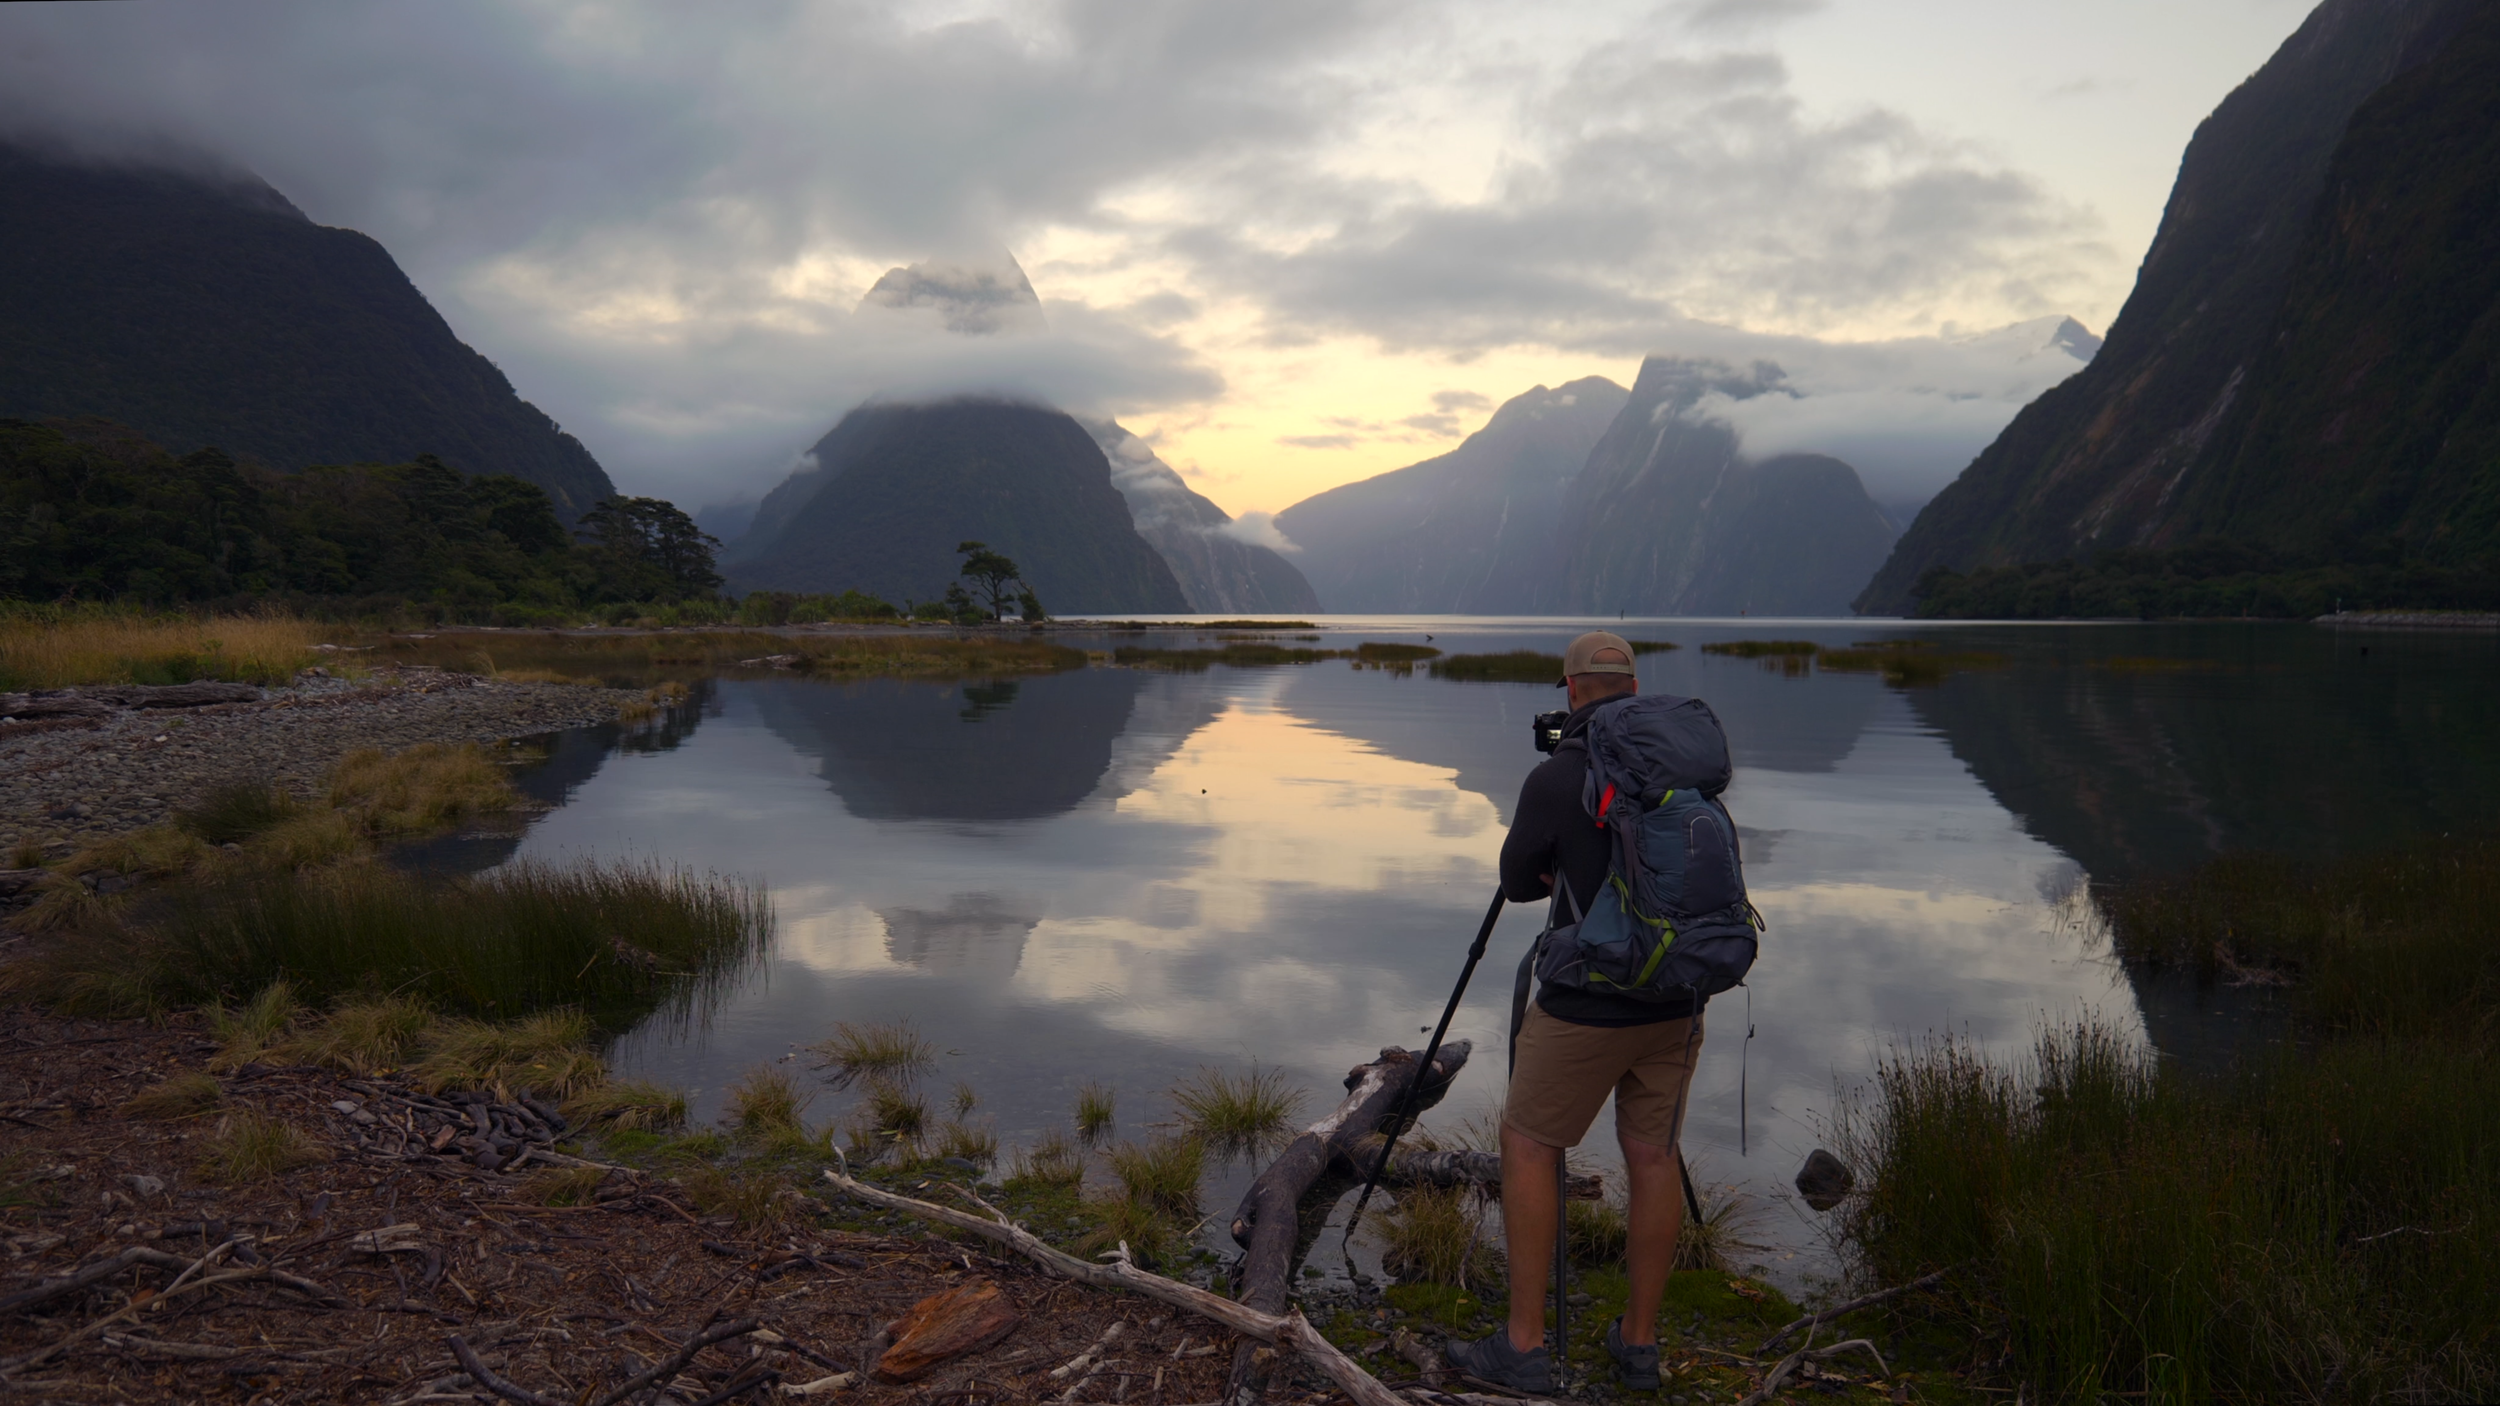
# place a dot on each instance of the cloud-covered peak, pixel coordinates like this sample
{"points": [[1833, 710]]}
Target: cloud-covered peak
{"points": [[974, 298]]}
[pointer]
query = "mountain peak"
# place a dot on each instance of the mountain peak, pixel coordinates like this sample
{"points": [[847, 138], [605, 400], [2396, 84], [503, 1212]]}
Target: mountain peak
{"points": [[975, 298]]}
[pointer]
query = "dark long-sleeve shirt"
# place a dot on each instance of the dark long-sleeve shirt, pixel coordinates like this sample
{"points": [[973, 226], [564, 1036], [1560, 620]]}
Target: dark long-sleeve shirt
{"points": [[1552, 832]]}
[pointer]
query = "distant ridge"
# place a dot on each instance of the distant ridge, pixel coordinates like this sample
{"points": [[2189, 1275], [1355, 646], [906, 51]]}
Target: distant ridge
{"points": [[205, 312]]}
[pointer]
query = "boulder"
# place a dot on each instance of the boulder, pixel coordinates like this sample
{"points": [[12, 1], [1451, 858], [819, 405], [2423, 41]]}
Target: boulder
{"points": [[1824, 1180]]}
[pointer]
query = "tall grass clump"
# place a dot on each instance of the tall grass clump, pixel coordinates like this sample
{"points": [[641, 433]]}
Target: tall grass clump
{"points": [[629, 1105], [248, 1031], [179, 1096], [1162, 1172], [249, 1147], [1237, 1114], [366, 1035], [767, 1100], [1053, 1161], [1437, 1235], [1094, 1108], [234, 813], [548, 1051], [417, 790], [59, 646], [527, 937], [891, 1051]]}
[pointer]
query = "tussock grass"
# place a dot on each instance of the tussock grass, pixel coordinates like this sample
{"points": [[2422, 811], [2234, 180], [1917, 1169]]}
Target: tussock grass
{"points": [[1596, 1232], [564, 1186], [1716, 1240], [1237, 1114], [181, 1096], [891, 1051], [421, 789], [547, 1051], [1517, 666], [767, 1099], [249, 1147], [975, 1144], [247, 1032], [756, 1199], [1095, 1105], [309, 841], [1054, 1161], [1437, 1235], [366, 1035], [234, 813], [629, 1105], [1162, 1172], [62, 646], [890, 1116], [527, 937], [965, 1099]]}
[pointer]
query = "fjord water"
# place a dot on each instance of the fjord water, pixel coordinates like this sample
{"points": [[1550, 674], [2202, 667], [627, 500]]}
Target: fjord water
{"points": [[1120, 875]]}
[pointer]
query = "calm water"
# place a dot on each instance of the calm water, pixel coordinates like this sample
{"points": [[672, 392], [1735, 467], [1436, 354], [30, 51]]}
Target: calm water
{"points": [[1121, 875]]}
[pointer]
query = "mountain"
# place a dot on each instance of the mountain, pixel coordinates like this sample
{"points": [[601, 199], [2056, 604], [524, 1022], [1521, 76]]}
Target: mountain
{"points": [[1467, 532], [209, 311], [1219, 573], [1669, 517], [894, 487], [2128, 452]]}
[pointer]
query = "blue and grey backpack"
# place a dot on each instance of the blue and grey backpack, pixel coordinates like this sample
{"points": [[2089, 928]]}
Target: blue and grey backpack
{"points": [[1671, 922]]}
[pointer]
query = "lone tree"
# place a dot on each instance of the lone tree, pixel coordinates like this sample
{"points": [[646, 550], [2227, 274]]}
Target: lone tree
{"points": [[994, 576]]}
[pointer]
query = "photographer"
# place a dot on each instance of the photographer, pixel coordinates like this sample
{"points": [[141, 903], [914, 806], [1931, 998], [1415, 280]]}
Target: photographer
{"points": [[1573, 1048]]}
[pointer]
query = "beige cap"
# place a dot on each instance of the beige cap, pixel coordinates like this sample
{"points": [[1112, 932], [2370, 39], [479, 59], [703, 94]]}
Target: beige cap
{"points": [[1582, 658]]}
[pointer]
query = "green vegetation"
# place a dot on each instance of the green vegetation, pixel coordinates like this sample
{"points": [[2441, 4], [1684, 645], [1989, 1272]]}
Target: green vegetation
{"points": [[1053, 1161], [1438, 1235], [2204, 580], [1758, 649], [767, 1100], [1237, 1114], [641, 660], [180, 1096], [790, 608], [1518, 666], [2322, 1221], [1640, 647], [564, 1186], [1904, 663], [249, 1147], [1093, 1114], [892, 1051], [629, 1106], [56, 646], [1374, 652], [98, 514]]}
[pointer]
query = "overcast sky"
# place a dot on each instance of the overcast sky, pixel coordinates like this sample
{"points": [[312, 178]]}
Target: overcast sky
{"points": [[1293, 243]]}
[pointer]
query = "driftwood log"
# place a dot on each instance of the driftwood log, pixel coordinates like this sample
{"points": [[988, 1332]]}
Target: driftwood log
{"points": [[1288, 1331], [1268, 1224], [1447, 1167]]}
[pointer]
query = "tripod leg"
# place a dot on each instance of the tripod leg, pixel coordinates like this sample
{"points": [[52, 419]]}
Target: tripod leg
{"points": [[1562, 1258]]}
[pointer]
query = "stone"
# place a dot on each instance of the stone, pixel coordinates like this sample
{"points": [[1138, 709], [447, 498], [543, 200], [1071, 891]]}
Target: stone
{"points": [[1824, 1180], [967, 1318]]}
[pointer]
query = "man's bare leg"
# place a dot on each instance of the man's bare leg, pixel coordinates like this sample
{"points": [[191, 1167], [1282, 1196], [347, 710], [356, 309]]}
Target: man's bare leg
{"points": [[1529, 1206], [1657, 1221]]}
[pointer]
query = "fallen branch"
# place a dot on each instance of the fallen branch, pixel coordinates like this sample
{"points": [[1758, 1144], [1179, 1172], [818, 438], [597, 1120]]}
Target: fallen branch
{"points": [[1289, 1331], [1812, 1320], [483, 1376], [659, 1373]]}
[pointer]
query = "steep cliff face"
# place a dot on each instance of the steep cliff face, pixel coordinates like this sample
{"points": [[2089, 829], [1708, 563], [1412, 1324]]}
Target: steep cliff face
{"points": [[1219, 572], [202, 311], [1669, 517], [896, 487], [2113, 456], [1469, 532]]}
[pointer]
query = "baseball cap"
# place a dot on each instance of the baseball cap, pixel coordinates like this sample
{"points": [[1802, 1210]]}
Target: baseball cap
{"points": [[1581, 658]]}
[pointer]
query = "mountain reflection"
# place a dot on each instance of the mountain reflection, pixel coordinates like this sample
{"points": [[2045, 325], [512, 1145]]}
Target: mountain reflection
{"points": [[976, 935], [1021, 749]]}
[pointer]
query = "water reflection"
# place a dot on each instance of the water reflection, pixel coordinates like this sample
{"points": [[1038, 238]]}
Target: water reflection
{"points": [[1116, 875]]}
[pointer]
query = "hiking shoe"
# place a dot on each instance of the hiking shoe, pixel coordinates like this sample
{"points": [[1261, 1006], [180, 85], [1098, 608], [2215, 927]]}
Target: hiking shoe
{"points": [[1495, 1361], [1639, 1365]]}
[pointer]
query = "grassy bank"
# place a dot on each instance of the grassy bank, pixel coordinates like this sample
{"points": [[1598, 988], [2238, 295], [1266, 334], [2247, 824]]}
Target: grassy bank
{"points": [[51, 646], [2322, 1223]]}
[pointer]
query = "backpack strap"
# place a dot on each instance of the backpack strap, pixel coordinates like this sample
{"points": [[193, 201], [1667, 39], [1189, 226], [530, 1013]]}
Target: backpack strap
{"points": [[1527, 965]]}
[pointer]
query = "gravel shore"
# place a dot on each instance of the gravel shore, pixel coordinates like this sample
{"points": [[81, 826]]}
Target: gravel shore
{"points": [[83, 779]]}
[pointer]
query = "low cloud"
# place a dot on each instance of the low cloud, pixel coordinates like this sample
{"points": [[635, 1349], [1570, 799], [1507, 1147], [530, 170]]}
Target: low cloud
{"points": [[1317, 441], [1259, 530], [1451, 402]]}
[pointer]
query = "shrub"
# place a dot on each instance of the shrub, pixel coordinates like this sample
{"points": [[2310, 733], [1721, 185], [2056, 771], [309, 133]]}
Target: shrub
{"points": [[249, 1147]]}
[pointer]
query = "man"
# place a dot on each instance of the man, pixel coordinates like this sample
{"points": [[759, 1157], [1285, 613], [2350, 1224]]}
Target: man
{"points": [[1574, 1048]]}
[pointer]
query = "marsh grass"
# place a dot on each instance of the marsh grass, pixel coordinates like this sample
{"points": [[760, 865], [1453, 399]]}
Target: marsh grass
{"points": [[249, 1147], [421, 789], [1905, 663], [1438, 1235], [181, 1096], [754, 1199], [1162, 1172], [1237, 1114], [1517, 666], [547, 1051], [1375, 652], [250, 1030], [1596, 1232], [977, 1144], [564, 1186], [1717, 1240], [1095, 1106], [1052, 1162], [59, 646], [645, 660], [1240, 654], [965, 1099], [891, 1051], [365, 1035], [1758, 649], [767, 1099], [889, 1117], [234, 813], [309, 840], [527, 937], [630, 1105]]}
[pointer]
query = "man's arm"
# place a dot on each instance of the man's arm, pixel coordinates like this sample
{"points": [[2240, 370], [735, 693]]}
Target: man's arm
{"points": [[1528, 850]]}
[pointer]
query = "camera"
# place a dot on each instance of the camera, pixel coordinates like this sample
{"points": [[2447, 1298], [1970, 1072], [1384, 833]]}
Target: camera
{"points": [[1549, 728]]}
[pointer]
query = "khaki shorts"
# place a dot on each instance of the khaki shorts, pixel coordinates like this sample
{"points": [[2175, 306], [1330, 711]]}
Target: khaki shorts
{"points": [[1565, 1072]]}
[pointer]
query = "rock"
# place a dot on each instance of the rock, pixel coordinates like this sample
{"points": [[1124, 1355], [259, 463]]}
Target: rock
{"points": [[1824, 1180], [345, 1105], [144, 1186], [966, 1318]]}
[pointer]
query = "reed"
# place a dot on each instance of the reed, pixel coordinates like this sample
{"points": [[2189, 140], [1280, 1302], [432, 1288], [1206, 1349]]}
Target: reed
{"points": [[1237, 1114], [892, 1051], [1437, 1235], [1094, 1108], [61, 646], [1517, 666]]}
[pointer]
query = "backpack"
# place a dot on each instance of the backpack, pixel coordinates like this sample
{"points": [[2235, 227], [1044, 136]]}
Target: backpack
{"points": [[1671, 920]]}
